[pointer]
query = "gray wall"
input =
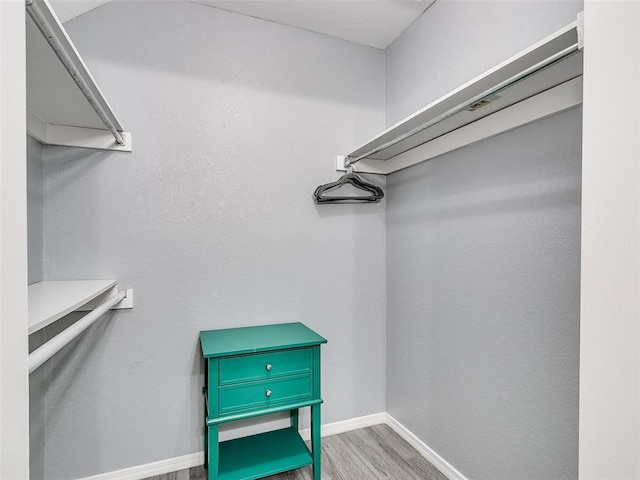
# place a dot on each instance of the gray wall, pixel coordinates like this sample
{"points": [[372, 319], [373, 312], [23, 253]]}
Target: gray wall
{"points": [[35, 234], [483, 260], [210, 220], [457, 40]]}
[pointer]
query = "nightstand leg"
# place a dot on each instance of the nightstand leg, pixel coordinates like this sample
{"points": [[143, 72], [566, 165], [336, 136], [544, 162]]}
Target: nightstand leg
{"points": [[212, 452], [315, 441], [294, 418], [206, 446], [206, 432]]}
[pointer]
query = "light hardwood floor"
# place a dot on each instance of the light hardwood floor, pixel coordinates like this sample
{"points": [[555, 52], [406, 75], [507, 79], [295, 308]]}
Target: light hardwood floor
{"points": [[373, 453]]}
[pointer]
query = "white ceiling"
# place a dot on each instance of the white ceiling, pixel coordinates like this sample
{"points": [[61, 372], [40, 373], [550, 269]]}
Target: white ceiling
{"points": [[376, 23]]}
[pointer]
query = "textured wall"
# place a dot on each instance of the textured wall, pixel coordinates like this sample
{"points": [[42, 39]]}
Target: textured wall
{"points": [[35, 234], [457, 40], [235, 121], [483, 252], [483, 303]]}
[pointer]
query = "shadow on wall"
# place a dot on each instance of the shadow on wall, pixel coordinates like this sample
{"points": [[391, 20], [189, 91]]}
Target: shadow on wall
{"points": [[50, 384], [488, 179]]}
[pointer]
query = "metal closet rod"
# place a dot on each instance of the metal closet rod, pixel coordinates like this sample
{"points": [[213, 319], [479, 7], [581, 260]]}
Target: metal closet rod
{"points": [[48, 23], [350, 161], [57, 343]]}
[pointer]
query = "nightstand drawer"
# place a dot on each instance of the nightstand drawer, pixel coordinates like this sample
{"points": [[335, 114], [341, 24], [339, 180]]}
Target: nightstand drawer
{"points": [[261, 366], [244, 396]]}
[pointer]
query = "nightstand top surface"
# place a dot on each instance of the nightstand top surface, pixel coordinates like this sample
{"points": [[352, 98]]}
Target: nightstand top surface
{"points": [[263, 338]]}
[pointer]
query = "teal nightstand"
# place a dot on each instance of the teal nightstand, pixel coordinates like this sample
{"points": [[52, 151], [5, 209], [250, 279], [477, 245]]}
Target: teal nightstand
{"points": [[254, 371]]}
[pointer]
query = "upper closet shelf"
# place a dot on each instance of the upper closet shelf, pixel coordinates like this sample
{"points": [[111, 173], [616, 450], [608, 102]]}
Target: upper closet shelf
{"points": [[64, 104], [49, 301], [542, 80]]}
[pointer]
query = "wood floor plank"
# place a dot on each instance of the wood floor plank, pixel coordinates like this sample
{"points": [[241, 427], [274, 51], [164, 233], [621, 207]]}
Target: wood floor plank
{"points": [[197, 473], [424, 469], [384, 459], [180, 475], [401, 449], [385, 435], [351, 463], [375, 458], [372, 453]]}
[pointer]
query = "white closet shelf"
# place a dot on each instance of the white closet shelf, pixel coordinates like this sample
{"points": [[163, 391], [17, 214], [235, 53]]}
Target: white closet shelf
{"points": [[64, 103], [51, 300], [540, 81]]}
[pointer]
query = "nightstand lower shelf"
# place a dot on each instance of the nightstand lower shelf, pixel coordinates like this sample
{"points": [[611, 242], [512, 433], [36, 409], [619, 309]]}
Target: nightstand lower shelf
{"points": [[257, 456]]}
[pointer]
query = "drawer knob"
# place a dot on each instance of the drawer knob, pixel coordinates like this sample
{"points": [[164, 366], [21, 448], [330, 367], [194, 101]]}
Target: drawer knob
{"points": [[268, 393], [268, 367]]}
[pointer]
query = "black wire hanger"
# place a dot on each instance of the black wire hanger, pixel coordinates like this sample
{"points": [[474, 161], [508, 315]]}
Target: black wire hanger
{"points": [[373, 192]]}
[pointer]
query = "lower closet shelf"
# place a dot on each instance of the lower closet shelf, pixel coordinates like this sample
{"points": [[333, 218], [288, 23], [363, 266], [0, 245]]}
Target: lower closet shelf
{"points": [[52, 300], [269, 453]]}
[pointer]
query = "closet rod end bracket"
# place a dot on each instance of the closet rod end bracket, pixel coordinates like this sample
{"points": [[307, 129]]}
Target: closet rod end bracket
{"points": [[344, 163], [127, 302]]}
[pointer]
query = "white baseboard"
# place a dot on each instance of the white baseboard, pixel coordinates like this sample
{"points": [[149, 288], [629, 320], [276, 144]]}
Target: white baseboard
{"points": [[151, 469], [347, 425], [427, 452], [196, 459]]}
